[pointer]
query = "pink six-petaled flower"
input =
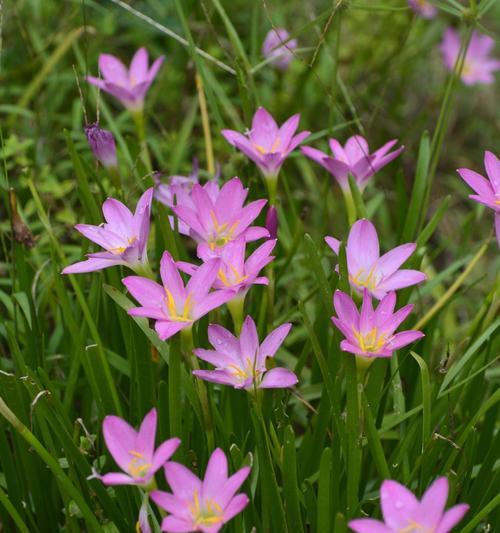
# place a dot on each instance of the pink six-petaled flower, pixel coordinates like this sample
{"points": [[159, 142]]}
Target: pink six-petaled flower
{"points": [[279, 47], [201, 505]]}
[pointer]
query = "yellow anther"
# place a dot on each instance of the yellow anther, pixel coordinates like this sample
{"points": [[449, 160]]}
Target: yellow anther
{"points": [[172, 308], [371, 341], [210, 514], [369, 281]]}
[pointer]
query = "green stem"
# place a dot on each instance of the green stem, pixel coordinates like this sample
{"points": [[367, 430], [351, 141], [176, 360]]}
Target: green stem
{"points": [[350, 206], [114, 174], [272, 188], [236, 309], [140, 126], [187, 346], [144, 269]]}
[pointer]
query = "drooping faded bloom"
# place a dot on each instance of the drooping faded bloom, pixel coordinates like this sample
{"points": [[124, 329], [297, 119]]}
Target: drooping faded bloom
{"points": [[235, 273], [370, 333], [487, 190], [124, 237], [277, 47], [129, 85], [424, 8], [267, 144], [102, 144], [354, 158], [479, 67], [402, 511], [241, 362], [216, 217], [134, 451], [201, 505], [368, 270], [173, 305]]}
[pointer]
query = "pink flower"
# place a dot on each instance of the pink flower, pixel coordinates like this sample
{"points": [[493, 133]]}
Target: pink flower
{"points": [[367, 270], [196, 505], [216, 217], [354, 158], [235, 273], [478, 66], [275, 47], [370, 333], [102, 144], [124, 237], [241, 363], [487, 192], [134, 451], [128, 85], [402, 511], [424, 8], [266, 144], [173, 306]]}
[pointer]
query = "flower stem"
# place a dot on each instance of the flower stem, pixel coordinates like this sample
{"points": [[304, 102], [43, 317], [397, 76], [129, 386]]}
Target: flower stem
{"points": [[206, 126], [236, 308], [350, 206], [140, 127], [272, 188], [187, 346]]}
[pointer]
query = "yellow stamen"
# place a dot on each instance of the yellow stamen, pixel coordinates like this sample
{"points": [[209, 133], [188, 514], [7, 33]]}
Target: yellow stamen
{"points": [[263, 151], [172, 308], [210, 514], [136, 467], [370, 281], [372, 341], [223, 234], [414, 527], [237, 277]]}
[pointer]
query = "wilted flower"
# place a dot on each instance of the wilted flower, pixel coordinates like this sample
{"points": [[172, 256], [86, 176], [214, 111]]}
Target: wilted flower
{"points": [[196, 505], [277, 47], [127, 85], [102, 144], [403, 512], [272, 222], [488, 192], [241, 362], [478, 66], [354, 158], [235, 273], [266, 144], [216, 217], [124, 236], [424, 8], [368, 270], [134, 451], [173, 306], [370, 333]]}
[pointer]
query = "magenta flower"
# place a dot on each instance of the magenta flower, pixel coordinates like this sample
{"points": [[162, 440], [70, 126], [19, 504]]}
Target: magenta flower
{"points": [[478, 66], [196, 505], [216, 217], [403, 512], [127, 85], [102, 144], [235, 273], [134, 451], [124, 237], [424, 8], [370, 333], [368, 270], [173, 305], [277, 48], [241, 362], [354, 158], [266, 144], [487, 192]]}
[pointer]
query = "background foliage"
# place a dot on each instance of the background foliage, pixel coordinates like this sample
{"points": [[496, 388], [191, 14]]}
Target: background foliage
{"points": [[69, 352]]}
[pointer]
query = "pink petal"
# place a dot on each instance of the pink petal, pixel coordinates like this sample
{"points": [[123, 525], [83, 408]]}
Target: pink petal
{"points": [[492, 165], [174, 524], [224, 341], [404, 338], [264, 129], [249, 340], [116, 478], [393, 322], [338, 151], [366, 315], [452, 517], [433, 503], [167, 501], [101, 236], [272, 342], [232, 137], [287, 131], [231, 486], [155, 68], [212, 301], [182, 481], [368, 525], [167, 329], [113, 70], [278, 378], [215, 474], [147, 292], [118, 216], [255, 233], [362, 247], [298, 139], [333, 243], [345, 308], [90, 265], [171, 278], [385, 308], [230, 199], [218, 359], [356, 148], [164, 452], [120, 439], [477, 182], [248, 214], [217, 376], [398, 504], [391, 261], [235, 506], [190, 218], [155, 313], [145, 442], [142, 219], [138, 67], [202, 280], [260, 257], [400, 279]]}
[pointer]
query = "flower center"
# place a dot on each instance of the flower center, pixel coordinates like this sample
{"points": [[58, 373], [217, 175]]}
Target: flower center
{"points": [[361, 279], [222, 233], [414, 527], [230, 281], [173, 314], [138, 466], [372, 341], [208, 514], [263, 151], [242, 373], [119, 250]]}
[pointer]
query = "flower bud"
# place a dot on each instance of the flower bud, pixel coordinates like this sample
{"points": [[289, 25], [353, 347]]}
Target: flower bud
{"points": [[102, 144], [272, 222]]}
